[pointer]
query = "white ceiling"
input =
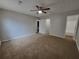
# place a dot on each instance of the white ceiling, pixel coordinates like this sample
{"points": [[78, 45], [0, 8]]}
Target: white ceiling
{"points": [[57, 6]]}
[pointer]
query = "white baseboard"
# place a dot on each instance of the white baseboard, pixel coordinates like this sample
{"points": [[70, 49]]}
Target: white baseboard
{"points": [[22, 36], [70, 34], [4, 40], [18, 37], [57, 35]]}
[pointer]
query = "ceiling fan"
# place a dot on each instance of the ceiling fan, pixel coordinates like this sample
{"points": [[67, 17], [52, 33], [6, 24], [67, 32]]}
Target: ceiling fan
{"points": [[41, 9]]}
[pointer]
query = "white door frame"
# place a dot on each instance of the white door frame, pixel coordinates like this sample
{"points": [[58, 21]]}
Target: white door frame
{"points": [[76, 28]]}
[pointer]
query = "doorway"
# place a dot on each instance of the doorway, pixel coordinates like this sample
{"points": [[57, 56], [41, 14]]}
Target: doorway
{"points": [[37, 26]]}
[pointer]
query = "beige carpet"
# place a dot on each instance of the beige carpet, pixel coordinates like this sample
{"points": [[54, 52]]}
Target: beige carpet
{"points": [[39, 46]]}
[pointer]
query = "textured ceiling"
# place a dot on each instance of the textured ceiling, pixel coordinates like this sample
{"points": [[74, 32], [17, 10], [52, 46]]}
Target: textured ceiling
{"points": [[57, 6]]}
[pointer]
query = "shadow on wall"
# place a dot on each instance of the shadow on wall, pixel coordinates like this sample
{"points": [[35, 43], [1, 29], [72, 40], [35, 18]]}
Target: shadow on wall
{"points": [[13, 28]]}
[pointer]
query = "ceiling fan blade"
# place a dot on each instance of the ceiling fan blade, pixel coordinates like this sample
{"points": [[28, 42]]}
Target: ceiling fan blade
{"points": [[41, 7], [46, 9], [37, 6], [44, 12], [33, 10]]}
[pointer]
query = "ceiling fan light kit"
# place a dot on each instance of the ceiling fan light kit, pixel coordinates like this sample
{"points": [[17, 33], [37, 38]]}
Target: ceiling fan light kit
{"points": [[40, 12]]}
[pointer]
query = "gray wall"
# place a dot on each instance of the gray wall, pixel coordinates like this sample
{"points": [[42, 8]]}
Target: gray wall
{"points": [[17, 25], [58, 25], [44, 26]]}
